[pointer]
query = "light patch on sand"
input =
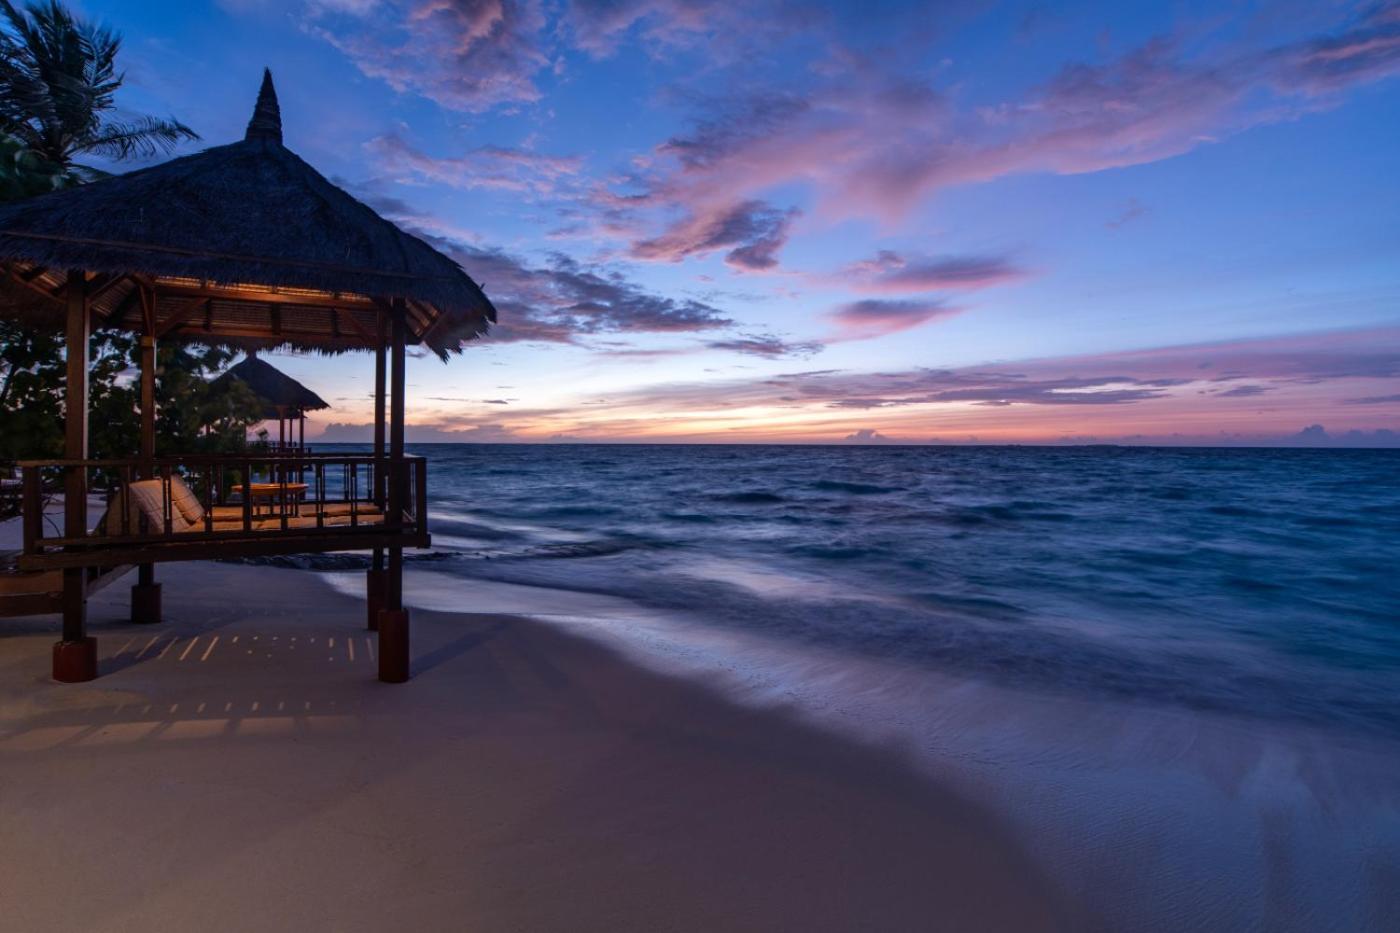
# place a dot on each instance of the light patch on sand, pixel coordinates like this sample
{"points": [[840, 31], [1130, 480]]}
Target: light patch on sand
{"points": [[120, 733], [40, 739], [195, 729]]}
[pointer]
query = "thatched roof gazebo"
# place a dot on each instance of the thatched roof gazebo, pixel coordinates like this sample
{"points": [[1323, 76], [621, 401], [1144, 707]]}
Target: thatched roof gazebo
{"points": [[242, 245], [283, 398]]}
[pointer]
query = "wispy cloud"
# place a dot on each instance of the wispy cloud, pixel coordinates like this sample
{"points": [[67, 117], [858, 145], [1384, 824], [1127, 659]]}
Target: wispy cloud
{"points": [[491, 167], [468, 55], [767, 346], [893, 272], [1121, 393]]}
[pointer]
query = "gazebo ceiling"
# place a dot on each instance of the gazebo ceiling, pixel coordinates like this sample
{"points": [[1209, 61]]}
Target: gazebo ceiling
{"points": [[243, 244]]}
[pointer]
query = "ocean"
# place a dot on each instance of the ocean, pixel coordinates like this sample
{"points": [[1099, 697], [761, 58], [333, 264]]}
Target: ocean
{"points": [[1192, 652]]}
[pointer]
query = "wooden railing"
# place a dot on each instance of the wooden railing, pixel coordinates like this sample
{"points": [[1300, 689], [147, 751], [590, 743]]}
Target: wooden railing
{"points": [[261, 502]]}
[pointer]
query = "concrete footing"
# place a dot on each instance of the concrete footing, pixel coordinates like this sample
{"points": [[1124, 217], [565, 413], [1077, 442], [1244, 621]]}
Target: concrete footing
{"points": [[75, 662]]}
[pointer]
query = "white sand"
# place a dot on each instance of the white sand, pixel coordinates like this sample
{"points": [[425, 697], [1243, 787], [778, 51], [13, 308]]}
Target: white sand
{"points": [[240, 768]]}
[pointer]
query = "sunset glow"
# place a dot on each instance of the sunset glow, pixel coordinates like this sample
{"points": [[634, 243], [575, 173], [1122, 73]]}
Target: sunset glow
{"points": [[901, 223]]}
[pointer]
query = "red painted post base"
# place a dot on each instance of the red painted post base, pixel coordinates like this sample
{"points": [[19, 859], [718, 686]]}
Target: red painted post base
{"points": [[75, 662], [393, 646], [375, 581], [145, 603]]}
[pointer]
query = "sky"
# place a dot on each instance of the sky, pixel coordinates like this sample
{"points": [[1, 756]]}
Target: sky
{"points": [[956, 222]]}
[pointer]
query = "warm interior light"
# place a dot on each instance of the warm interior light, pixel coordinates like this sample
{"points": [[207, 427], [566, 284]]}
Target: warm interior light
{"points": [[249, 288]]}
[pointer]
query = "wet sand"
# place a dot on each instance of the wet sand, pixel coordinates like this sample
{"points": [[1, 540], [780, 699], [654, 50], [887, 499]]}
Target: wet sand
{"points": [[239, 767]]}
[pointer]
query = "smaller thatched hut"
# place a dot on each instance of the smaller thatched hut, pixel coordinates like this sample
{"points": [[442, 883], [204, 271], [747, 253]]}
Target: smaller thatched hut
{"points": [[283, 398]]}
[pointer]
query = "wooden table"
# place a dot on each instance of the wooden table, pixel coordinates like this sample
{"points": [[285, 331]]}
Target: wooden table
{"points": [[274, 494]]}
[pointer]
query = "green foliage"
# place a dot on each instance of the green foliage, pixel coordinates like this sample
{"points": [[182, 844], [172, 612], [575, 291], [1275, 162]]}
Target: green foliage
{"points": [[31, 411], [24, 173], [32, 374], [58, 81], [58, 78]]}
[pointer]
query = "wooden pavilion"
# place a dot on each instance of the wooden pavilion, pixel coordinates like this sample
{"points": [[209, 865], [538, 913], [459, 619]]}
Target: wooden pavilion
{"points": [[249, 246], [283, 399]]}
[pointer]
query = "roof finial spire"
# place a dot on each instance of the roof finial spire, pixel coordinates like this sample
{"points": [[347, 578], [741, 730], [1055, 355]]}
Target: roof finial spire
{"points": [[267, 116]]}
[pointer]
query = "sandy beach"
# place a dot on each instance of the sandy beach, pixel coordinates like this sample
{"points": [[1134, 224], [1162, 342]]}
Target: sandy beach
{"points": [[238, 767]]}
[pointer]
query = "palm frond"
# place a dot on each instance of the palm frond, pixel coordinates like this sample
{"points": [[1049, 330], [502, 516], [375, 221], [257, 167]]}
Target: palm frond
{"points": [[58, 81], [144, 137]]}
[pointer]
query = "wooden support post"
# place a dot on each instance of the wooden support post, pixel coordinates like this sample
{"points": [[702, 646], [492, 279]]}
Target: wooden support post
{"points": [[393, 618], [145, 594], [75, 657], [375, 576]]}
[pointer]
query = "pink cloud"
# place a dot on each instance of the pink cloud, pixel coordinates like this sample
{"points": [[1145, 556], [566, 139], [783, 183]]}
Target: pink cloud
{"points": [[751, 231], [469, 55], [1157, 101]]}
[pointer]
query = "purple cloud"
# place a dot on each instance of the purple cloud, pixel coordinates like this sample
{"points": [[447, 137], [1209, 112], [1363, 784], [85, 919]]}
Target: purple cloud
{"points": [[1162, 99], [767, 346], [1343, 358], [752, 231], [874, 318], [892, 272], [1245, 391]]}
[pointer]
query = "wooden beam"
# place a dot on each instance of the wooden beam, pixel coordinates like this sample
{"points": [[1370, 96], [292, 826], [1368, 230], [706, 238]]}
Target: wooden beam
{"points": [[118, 314], [180, 316], [380, 354], [102, 284], [148, 405], [398, 474], [380, 351], [224, 330], [148, 308], [34, 286], [75, 447], [369, 336], [223, 545]]}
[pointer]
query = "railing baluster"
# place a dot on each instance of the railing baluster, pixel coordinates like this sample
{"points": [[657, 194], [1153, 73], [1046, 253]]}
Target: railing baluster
{"points": [[209, 499], [420, 501], [167, 506], [318, 474], [354, 493], [124, 500], [248, 495], [32, 508]]}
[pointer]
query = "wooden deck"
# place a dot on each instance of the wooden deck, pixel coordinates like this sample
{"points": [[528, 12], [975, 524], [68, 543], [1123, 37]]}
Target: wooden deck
{"points": [[36, 592]]}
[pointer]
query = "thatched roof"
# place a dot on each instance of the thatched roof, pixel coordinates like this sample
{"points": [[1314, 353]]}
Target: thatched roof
{"points": [[281, 395], [278, 253]]}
